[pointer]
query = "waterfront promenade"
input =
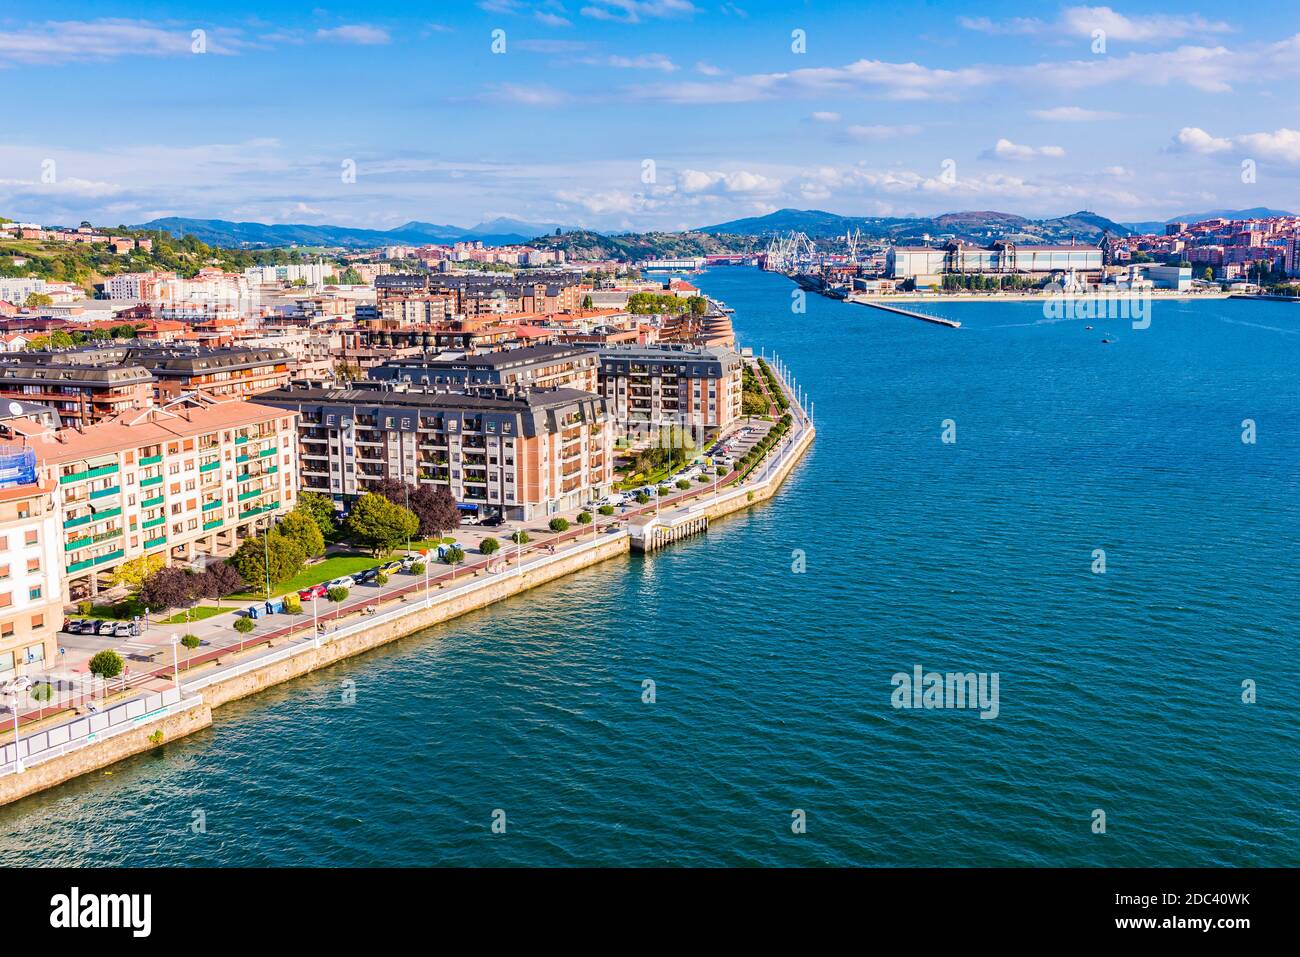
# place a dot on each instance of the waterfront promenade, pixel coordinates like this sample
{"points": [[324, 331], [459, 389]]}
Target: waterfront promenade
{"points": [[282, 646]]}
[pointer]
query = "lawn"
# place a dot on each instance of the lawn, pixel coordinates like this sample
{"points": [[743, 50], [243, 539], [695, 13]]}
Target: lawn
{"points": [[336, 566], [196, 614]]}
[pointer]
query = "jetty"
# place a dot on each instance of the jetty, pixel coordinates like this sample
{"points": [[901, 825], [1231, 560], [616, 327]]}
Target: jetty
{"points": [[924, 316]]}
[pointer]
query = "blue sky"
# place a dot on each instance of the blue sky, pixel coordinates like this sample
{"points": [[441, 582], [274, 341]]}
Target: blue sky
{"points": [[889, 109]]}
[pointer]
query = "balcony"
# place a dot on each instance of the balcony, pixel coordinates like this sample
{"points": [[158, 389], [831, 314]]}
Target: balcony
{"points": [[79, 566], [108, 556], [92, 517], [269, 507], [92, 473], [209, 506], [77, 544], [209, 466], [153, 542], [151, 460], [152, 502], [241, 439], [105, 492], [245, 496], [146, 483], [215, 523], [154, 522]]}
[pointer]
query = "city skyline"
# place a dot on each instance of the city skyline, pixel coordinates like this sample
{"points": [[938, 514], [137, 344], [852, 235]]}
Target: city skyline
{"points": [[640, 114]]}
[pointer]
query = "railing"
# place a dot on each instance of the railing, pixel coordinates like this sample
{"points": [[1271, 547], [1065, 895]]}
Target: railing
{"points": [[89, 474]]}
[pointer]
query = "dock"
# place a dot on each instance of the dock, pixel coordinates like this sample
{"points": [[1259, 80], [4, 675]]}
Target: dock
{"points": [[925, 316]]}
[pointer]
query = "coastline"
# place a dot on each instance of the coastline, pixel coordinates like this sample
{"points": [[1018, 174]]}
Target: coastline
{"points": [[145, 722]]}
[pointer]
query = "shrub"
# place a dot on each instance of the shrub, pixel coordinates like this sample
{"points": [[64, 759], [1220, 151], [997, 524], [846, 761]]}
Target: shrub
{"points": [[722, 471], [664, 490], [520, 537], [558, 524], [489, 545], [642, 498], [337, 593], [244, 625], [584, 518], [703, 480], [453, 555], [606, 510], [683, 483], [85, 607], [417, 568], [292, 605], [381, 579], [192, 641]]}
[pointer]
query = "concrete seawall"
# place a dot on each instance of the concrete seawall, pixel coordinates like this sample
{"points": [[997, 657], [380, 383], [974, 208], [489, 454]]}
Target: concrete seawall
{"points": [[294, 661]]}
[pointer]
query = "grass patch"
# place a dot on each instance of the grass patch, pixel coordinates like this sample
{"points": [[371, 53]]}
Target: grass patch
{"points": [[336, 566], [121, 611], [196, 614]]}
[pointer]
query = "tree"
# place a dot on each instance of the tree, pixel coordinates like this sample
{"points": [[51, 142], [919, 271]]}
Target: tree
{"points": [[134, 573], [321, 509], [244, 625], [584, 518], [381, 579], [286, 558], [378, 524], [642, 498], [169, 588], [336, 594], [558, 524], [606, 510], [488, 545], [520, 537], [38, 299], [417, 568], [302, 528], [436, 508], [453, 555], [191, 642], [220, 580], [107, 664]]}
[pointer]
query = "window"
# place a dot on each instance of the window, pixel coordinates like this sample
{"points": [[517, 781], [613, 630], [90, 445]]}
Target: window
{"points": [[38, 622], [4, 572], [6, 629], [33, 565], [32, 536], [34, 593]]}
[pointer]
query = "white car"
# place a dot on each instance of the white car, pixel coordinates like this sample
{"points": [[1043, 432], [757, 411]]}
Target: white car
{"points": [[347, 581], [16, 685]]}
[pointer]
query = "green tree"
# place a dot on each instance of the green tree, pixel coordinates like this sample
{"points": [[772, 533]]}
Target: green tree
{"points": [[287, 558], [520, 537], [244, 625], [301, 527], [453, 555], [336, 594], [558, 524], [107, 664], [321, 509], [584, 518], [134, 573], [378, 524], [488, 545], [38, 299], [606, 510], [191, 642]]}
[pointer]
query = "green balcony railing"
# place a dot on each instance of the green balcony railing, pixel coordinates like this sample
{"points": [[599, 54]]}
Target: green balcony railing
{"points": [[105, 492], [91, 473], [209, 506], [79, 566], [241, 459], [108, 557], [240, 439], [75, 544], [265, 452], [151, 502], [160, 540], [151, 460], [154, 522], [253, 494], [209, 526], [209, 466], [270, 507], [145, 483]]}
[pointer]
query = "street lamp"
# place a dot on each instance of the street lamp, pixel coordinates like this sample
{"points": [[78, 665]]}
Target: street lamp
{"points": [[176, 668], [18, 757], [266, 556], [428, 601]]}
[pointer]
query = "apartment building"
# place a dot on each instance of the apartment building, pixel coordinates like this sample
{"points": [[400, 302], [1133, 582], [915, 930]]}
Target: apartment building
{"points": [[80, 394], [660, 386], [190, 479], [522, 456], [222, 373], [30, 599], [529, 367]]}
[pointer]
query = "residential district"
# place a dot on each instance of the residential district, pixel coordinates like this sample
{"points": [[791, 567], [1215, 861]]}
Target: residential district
{"points": [[196, 455]]}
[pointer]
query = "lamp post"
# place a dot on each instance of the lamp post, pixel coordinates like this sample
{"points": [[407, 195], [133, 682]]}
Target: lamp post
{"points": [[428, 600], [266, 556], [176, 667], [315, 621]]}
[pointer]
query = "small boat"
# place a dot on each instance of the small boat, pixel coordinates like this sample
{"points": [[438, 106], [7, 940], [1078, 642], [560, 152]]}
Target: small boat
{"points": [[1106, 342], [1088, 328]]}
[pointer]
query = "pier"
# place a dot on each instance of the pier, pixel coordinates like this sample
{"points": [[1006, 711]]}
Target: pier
{"points": [[937, 320]]}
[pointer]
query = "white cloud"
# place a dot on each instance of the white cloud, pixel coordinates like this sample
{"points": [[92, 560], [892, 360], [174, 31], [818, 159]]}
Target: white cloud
{"points": [[1015, 25], [877, 133], [362, 34], [1082, 21], [826, 116], [1282, 144], [634, 11], [527, 94], [708, 69], [646, 61], [66, 41], [1005, 149], [1193, 139], [742, 181], [552, 19], [1072, 114]]}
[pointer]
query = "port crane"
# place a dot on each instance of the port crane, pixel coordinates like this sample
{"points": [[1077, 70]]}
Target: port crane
{"points": [[787, 253]]}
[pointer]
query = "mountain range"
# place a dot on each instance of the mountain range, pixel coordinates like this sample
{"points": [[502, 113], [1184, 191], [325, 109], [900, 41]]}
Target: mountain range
{"points": [[979, 225], [227, 234], [1255, 212]]}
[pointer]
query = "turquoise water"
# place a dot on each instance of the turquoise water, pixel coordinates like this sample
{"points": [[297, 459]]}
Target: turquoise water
{"points": [[1119, 691]]}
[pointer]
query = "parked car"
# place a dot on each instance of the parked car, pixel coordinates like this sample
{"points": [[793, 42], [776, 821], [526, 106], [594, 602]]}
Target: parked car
{"points": [[391, 566], [367, 576], [470, 519], [106, 628], [135, 629], [410, 560], [492, 521], [122, 630], [315, 591], [347, 581], [16, 685]]}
